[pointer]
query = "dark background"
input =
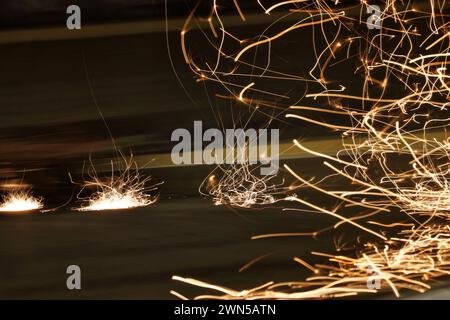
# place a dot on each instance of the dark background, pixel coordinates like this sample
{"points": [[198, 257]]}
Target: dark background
{"points": [[28, 13]]}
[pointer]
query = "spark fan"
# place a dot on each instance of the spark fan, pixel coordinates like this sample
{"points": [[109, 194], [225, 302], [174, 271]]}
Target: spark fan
{"points": [[19, 201], [125, 188]]}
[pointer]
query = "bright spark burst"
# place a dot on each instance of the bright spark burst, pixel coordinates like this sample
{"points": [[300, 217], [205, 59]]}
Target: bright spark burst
{"points": [[239, 186], [124, 189], [396, 150], [20, 200]]}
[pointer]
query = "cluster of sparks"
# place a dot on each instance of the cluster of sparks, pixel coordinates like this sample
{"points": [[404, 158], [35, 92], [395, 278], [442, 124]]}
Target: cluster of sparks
{"points": [[395, 156], [408, 264], [239, 186], [123, 189], [20, 200]]}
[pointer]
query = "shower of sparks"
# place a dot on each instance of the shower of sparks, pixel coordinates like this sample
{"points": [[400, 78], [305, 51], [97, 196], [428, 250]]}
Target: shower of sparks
{"points": [[125, 188], [405, 264], [20, 200], [240, 186], [392, 117]]}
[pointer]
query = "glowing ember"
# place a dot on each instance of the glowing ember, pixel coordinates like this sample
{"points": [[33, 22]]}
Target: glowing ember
{"points": [[17, 201]]}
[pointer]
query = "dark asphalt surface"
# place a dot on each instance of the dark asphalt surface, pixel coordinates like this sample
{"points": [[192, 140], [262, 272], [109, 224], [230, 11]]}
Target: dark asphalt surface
{"points": [[134, 253]]}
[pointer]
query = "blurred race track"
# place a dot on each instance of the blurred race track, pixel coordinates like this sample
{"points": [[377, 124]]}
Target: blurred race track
{"points": [[134, 253], [53, 96]]}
